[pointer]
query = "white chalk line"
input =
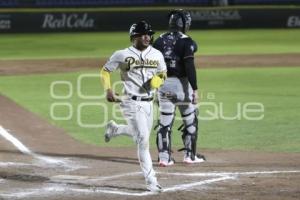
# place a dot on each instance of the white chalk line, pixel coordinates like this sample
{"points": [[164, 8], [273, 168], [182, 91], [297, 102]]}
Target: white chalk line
{"points": [[231, 173], [91, 179], [65, 189], [10, 164], [60, 189], [48, 191], [221, 176], [14, 141], [20, 195], [181, 187], [39, 164], [47, 160]]}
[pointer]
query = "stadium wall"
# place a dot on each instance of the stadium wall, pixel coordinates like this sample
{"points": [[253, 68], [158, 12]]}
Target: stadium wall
{"points": [[72, 20]]}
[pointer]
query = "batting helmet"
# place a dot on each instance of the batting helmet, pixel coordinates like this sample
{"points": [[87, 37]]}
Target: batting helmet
{"points": [[179, 20], [140, 28]]}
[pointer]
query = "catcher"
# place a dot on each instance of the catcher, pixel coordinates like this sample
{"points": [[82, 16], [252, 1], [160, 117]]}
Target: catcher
{"points": [[179, 89]]}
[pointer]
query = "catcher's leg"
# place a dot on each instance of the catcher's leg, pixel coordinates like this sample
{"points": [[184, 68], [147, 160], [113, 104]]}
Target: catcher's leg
{"points": [[163, 139], [190, 134]]}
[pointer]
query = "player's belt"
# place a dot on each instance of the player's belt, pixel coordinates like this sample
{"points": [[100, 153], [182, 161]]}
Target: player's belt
{"points": [[136, 98]]}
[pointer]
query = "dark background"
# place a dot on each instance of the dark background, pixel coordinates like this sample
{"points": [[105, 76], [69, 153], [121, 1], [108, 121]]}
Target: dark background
{"points": [[116, 15]]}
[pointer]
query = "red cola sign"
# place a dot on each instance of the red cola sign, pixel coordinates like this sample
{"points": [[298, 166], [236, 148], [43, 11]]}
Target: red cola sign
{"points": [[67, 20]]}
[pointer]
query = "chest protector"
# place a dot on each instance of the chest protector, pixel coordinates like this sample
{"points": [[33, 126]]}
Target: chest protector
{"points": [[169, 52]]}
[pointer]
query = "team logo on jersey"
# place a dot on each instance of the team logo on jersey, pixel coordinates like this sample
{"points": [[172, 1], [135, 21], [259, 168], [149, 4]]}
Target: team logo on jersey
{"points": [[192, 48], [133, 63]]}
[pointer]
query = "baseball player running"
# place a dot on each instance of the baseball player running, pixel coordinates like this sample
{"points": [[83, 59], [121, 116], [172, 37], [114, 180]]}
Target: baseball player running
{"points": [[179, 89], [143, 70]]}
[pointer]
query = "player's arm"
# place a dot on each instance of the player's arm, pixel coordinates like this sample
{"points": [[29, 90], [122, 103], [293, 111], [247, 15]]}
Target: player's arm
{"points": [[192, 77], [190, 68], [105, 78], [111, 65]]}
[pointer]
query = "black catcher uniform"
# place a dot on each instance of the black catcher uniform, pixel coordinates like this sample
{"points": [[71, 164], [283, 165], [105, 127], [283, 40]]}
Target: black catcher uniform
{"points": [[179, 89]]}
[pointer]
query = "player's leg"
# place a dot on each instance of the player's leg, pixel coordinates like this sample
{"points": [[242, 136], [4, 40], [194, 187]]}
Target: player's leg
{"points": [[190, 134], [113, 129], [190, 127], [163, 137], [142, 124]]}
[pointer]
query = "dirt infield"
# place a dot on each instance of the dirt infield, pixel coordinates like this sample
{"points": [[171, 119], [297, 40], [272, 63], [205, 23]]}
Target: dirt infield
{"points": [[56, 166], [15, 67]]}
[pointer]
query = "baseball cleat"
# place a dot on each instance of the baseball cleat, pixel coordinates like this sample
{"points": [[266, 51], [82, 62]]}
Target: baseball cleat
{"points": [[198, 159], [166, 163], [154, 187], [109, 130]]}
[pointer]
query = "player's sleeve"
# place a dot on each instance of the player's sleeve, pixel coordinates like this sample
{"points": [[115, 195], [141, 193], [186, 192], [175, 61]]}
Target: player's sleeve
{"points": [[162, 67], [114, 62], [190, 48]]}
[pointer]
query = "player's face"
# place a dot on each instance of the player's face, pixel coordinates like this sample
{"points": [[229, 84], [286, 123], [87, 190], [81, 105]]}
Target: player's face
{"points": [[141, 42]]}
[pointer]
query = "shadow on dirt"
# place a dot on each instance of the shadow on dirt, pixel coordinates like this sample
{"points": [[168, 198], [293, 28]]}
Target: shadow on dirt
{"points": [[122, 160]]}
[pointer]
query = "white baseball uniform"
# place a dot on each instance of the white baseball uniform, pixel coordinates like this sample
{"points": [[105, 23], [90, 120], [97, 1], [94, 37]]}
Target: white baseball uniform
{"points": [[136, 70]]}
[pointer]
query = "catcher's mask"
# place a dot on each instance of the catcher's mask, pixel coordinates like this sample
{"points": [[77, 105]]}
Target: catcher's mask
{"points": [[179, 20], [140, 28]]}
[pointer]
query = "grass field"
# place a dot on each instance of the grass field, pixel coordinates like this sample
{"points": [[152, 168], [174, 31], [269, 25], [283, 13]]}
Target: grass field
{"points": [[276, 88], [66, 45]]}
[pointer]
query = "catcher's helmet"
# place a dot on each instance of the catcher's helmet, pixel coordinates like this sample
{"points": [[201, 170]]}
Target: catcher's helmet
{"points": [[179, 20], [140, 28]]}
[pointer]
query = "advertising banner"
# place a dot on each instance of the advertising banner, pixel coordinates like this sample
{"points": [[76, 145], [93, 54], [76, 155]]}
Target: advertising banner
{"points": [[65, 21]]}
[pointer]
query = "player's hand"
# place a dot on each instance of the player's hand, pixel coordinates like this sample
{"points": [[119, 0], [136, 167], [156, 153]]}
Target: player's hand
{"points": [[195, 96], [111, 96]]}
